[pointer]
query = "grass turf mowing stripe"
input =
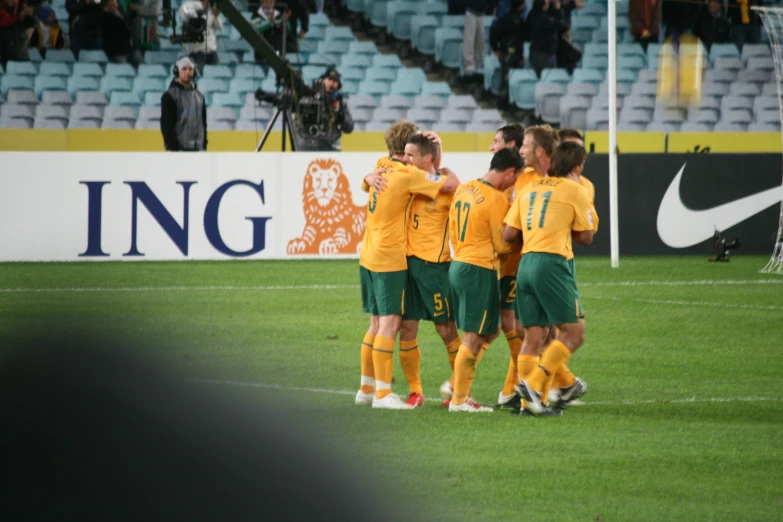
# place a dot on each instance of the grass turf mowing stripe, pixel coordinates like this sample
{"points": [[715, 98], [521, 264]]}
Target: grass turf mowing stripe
{"points": [[682, 303]]}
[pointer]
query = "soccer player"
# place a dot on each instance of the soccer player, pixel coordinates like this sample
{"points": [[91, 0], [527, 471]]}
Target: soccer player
{"points": [[383, 264], [537, 144], [545, 215], [475, 230], [427, 295]]}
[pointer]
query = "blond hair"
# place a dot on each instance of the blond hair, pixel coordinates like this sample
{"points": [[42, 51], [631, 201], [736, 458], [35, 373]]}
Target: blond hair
{"points": [[398, 135], [545, 137]]}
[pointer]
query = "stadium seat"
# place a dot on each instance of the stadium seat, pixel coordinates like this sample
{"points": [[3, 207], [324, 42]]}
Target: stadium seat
{"points": [[211, 85], [9, 82], [338, 47], [492, 79], [255, 113], [590, 23], [690, 126], [217, 71], [86, 112], [704, 115], [631, 126], [724, 126], [147, 125], [152, 98], [381, 74], [653, 53], [412, 76], [744, 89], [386, 60], [149, 113], [109, 84], [91, 97], [648, 90], [35, 56], [634, 101], [15, 123], [118, 69], [631, 49], [727, 50], [165, 58], [423, 34], [154, 71], [450, 115], [60, 55], [50, 123], [21, 68], [765, 103], [221, 114], [663, 126], [119, 112], [398, 18], [435, 9], [49, 83], [142, 85], [228, 99], [231, 58], [582, 89], [648, 76], [126, 99], [365, 47], [764, 63], [322, 59], [635, 116], [454, 21], [547, 101], [769, 89], [632, 62], [757, 76], [242, 86], [247, 70], [441, 89], [97, 56], [362, 61], [55, 69], [764, 127], [560, 76], [375, 10], [768, 116], [118, 124], [10, 111], [597, 119], [462, 101], [720, 76], [85, 124], [755, 50], [448, 47], [376, 89], [588, 76], [60, 112], [596, 49], [488, 116], [56, 98], [728, 63], [87, 69], [522, 88], [429, 102], [669, 115], [715, 89]]}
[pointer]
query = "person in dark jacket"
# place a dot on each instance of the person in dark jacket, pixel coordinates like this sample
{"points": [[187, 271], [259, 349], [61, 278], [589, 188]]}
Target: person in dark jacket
{"points": [[84, 17], [16, 18], [507, 39], [116, 36], [645, 19], [745, 22], [545, 25], [183, 111], [712, 26]]}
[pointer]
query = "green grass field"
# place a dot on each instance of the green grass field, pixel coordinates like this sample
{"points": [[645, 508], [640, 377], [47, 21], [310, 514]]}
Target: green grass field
{"points": [[683, 418]]}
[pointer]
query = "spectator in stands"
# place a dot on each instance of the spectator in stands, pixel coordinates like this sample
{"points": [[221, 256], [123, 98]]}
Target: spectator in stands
{"points": [[272, 25], [116, 37], [679, 17], [645, 19], [183, 111], [206, 51], [712, 26], [300, 13], [507, 39], [16, 18], [545, 26], [745, 23], [85, 23], [143, 20], [473, 34], [47, 34]]}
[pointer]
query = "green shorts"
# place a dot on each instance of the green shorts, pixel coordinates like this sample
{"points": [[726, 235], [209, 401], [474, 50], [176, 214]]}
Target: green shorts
{"points": [[546, 291], [508, 294], [572, 265], [383, 293], [475, 298], [427, 293]]}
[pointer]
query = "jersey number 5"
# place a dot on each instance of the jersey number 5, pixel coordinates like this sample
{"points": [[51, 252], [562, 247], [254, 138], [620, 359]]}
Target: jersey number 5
{"points": [[373, 203], [545, 203], [462, 226]]}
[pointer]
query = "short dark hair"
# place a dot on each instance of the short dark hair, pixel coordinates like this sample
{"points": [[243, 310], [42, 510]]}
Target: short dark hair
{"points": [[424, 144], [571, 134], [505, 159], [514, 132], [566, 158]]}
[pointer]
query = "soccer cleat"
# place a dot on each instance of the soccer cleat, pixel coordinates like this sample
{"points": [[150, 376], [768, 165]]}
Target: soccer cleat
{"points": [[446, 403], [553, 397], [509, 402], [532, 397], [364, 399], [446, 391], [391, 402], [415, 400], [572, 393], [469, 406]]}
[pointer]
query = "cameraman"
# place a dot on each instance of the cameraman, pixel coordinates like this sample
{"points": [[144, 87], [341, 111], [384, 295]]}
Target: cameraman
{"points": [[337, 118], [203, 52], [507, 40], [183, 111]]}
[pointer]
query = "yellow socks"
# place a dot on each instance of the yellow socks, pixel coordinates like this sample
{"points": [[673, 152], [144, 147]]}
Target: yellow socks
{"points": [[452, 348], [383, 365], [515, 346], [368, 375], [464, 369], [525, 365], [564, 378], [410, 357], [555, 356]]}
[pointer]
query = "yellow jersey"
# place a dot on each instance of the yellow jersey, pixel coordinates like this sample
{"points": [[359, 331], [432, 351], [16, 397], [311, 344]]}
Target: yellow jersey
{"points": [[509, 262], [384, 244], [428, 228], [547, 211], [590, 188], [476, 224]]}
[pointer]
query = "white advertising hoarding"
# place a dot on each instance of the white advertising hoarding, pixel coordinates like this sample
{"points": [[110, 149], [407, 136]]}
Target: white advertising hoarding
{"points": [[158, 206]]}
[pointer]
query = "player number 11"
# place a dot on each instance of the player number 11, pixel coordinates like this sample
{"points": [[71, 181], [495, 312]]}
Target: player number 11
{"points": [[532, 197]]}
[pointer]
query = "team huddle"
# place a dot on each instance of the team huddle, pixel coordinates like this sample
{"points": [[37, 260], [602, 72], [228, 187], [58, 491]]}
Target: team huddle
{"points": [[491, 254]]}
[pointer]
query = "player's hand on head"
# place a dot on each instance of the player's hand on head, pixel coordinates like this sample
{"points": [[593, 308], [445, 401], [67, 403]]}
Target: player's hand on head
{"points": [[376, 180], [433, 137]]}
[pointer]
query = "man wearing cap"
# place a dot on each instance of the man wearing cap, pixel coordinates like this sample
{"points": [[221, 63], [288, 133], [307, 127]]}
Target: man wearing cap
{"points": [[337, 113], [183, 111]]}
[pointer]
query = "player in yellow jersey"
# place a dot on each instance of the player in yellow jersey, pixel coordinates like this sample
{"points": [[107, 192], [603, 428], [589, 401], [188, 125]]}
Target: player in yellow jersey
{"points": [[544, 216], [427, 293], [383, 263], [475, 231], [537, 145]]}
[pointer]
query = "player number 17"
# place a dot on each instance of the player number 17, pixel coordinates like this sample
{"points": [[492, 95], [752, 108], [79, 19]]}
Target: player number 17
{"points": [[462, 225]]}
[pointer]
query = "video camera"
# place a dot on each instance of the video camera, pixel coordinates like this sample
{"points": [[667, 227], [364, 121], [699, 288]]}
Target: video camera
{"points": [[722, 248], [310, 111]]}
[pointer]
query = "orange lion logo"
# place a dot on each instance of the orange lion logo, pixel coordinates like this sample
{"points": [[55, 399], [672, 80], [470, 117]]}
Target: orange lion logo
{"points": [[333, 224]]}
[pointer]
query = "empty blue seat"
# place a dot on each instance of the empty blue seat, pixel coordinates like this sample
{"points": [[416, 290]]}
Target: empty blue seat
{"points": [[595, 62], [448, 46], [386, 60], [109, 84], [166, 58], [728, 50], [93, 56], [522, 88], [120, 69], [87, 69], [585, 75], [398, 18], [241, 86], [596, 49], [338, 47], [356, 60], [217, 71], [381, 74], [228, 99], [122, 98], [9, 82], [338, 33], [555, 76], [91, 97], [441, 89], [49, 83], [423, 34], [60, 55], [21, 68], [311, 73], [355, 6], [319, 19], [324, 59], [429, 101], [407, 89], [376, 12], [154, 70], [415, 76], [120, 112], [374, 88], [221, 114], [152, 98], [247, 70], [352, 74], [231, 58], [366, 47], [454, 22], [56, 98], [211, 85], [142, 85]]}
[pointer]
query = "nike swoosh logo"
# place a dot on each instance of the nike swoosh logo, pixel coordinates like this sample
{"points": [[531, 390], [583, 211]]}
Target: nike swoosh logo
{"points": [[438, 315], [510, 300], [682, 227]]}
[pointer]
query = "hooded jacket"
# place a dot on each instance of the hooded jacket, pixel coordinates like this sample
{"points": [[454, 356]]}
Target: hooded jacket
{"points": [[183, 118]]}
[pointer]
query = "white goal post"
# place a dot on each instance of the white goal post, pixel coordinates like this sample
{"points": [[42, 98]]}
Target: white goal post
{"points": [[772, 18]]}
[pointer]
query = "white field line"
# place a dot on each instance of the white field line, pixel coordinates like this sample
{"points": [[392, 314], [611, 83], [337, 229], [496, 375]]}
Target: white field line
{"points": [[683, 303], [694, 399], [705, 282]]}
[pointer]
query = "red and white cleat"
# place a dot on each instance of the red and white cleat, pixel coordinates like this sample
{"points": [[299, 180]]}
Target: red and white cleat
{"points": [[415, 400], [469, 406]]}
